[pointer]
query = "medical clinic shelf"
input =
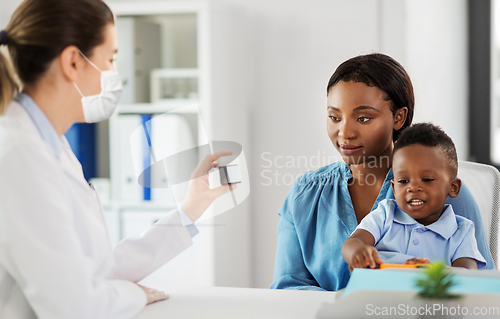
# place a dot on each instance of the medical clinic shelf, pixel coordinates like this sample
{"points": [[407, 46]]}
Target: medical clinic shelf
{"points": [[178, 106], [140, 8]]}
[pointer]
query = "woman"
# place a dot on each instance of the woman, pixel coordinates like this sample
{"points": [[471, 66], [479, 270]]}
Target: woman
{"points": [[370, 100], [55, 256]]}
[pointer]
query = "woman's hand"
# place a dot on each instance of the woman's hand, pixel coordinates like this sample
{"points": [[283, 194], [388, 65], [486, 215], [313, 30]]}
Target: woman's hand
{"points": [[417, 260], [199, 195], [154, 295], [365, 256]]}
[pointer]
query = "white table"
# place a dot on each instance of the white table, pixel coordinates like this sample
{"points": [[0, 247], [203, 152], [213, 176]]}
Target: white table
{"points": [[404, 304], [236, 303]]}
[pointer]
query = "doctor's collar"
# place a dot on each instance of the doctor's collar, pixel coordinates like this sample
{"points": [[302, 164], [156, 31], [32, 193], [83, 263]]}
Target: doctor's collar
{"points": [[41, 122]]}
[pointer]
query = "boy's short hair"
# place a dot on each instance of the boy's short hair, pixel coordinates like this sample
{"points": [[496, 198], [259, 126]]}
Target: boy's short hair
{"points": [[431, 135]]}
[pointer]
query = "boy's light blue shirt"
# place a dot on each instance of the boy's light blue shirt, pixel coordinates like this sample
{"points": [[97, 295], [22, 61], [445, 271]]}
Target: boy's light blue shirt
{"points": [[318, 216], [398, 237]]}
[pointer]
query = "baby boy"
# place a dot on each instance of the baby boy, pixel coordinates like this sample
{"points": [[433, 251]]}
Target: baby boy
{"points": [[418, 223]]}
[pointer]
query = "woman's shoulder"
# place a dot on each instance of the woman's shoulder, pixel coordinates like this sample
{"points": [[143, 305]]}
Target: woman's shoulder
{"points": [[18, 143], [13, 137], [16, 124]]}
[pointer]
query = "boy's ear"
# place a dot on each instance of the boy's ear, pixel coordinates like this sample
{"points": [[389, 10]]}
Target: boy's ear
{"points": [[400, 118], [456, 184], [392, 185]]}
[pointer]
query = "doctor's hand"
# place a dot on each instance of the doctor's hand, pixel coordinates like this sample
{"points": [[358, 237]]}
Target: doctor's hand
{"points": [[154, 295], [199, 195]]}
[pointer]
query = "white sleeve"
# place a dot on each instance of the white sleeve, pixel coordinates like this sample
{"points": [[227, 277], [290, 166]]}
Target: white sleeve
{"points": [[40, 249], [193, 230], [137, 257]]}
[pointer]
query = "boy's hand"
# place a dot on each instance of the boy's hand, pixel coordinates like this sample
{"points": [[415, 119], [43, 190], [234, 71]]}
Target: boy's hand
{"points": [[364, 256], [358, 250]]}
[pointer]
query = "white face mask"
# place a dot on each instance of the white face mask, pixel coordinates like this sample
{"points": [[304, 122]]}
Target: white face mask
{"points": [[100, 107]]}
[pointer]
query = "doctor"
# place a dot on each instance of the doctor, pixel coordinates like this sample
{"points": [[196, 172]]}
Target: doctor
{"points": [[55, 257]]}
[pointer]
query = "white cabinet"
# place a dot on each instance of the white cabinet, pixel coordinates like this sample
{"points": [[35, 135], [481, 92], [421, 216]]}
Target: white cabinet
{"points": [[184, 67], [139, 53], [174, 84]]}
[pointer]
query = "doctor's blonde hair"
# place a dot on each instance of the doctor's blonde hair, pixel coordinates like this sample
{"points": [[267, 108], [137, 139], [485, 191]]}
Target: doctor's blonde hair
{"points": [[39, 31]]}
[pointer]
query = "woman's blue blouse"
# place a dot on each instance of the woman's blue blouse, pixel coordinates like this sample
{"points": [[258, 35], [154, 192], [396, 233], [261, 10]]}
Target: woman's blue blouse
{"points": [[318, 216]]}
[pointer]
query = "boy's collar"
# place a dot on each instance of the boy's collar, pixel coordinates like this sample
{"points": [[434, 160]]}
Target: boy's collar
{"points": [[445, 226]]}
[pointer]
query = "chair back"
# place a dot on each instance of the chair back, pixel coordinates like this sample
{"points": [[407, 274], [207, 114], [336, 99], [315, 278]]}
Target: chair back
{"points": [[483, 182]]}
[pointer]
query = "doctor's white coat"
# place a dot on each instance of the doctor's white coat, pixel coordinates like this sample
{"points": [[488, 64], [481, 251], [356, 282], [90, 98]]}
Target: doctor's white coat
{"points": [[56, 260]]}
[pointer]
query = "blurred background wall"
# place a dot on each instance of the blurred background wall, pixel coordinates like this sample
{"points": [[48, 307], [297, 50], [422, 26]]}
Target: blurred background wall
{"points": [[294, 47]]}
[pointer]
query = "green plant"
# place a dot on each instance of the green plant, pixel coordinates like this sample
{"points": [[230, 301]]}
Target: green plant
{"points": [[437, 283]]}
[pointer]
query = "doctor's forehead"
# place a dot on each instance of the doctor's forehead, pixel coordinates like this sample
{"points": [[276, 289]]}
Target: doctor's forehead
{"points": [[110, 38]]}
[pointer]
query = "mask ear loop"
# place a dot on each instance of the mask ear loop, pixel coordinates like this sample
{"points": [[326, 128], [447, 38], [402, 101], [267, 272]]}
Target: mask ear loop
{"points": [[78, 89], [89, 61], [83, 55]]}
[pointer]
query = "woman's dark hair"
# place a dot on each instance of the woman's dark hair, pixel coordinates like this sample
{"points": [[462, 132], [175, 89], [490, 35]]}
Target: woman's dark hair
{"points": [[39, 31], [381, 71]]}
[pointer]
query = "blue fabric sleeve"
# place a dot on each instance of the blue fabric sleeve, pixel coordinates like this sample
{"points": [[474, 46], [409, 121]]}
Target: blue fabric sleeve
{"points": [[465, 205], [290, 272], [468, 246]]}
